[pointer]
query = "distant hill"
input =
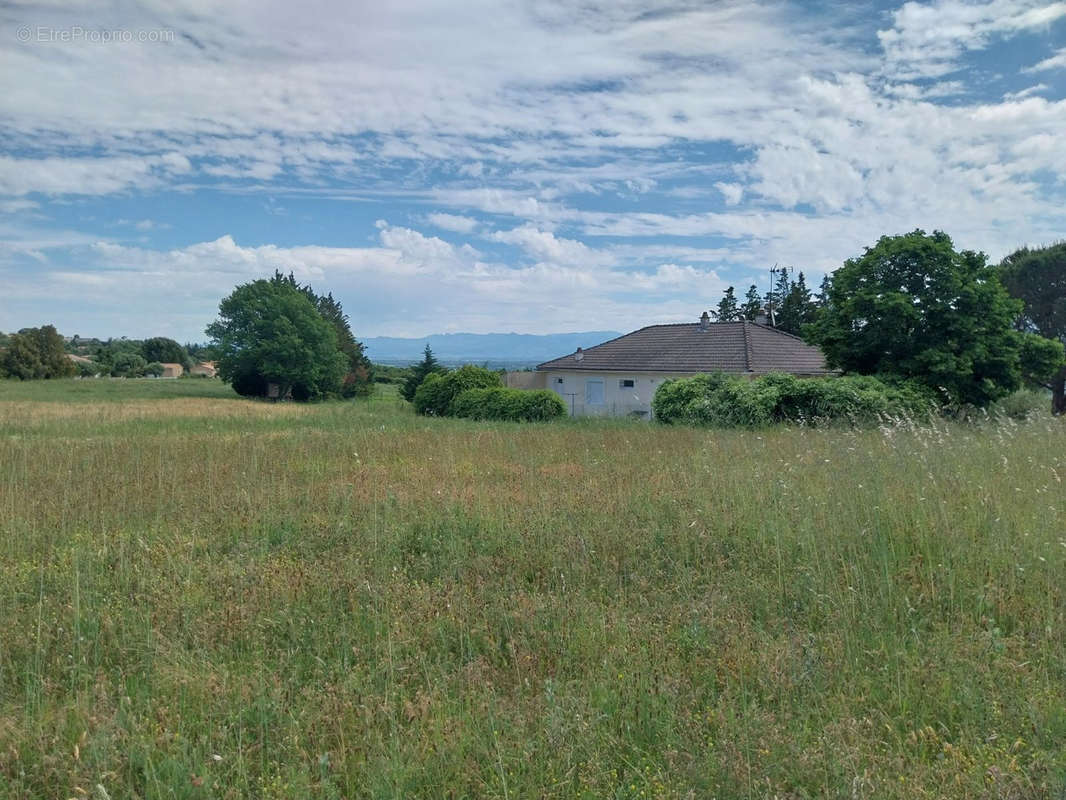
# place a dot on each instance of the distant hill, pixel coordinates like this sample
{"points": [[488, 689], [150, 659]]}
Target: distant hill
{"points": [[496, 349]]}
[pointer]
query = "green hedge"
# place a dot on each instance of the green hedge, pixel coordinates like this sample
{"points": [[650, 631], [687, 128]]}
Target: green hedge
{"points": [[515, 405], [435, 394], [722, 401]]}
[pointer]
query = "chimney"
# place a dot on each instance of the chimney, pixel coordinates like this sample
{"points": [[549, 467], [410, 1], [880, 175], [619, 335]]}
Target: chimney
{"points": [[578, 355], [705, 321], [761, 318]]}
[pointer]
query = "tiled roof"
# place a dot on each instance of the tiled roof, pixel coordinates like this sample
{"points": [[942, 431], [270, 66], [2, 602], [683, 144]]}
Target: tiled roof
{"points": [[736, 347]]}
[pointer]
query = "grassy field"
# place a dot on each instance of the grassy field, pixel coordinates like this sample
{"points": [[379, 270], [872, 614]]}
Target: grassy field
{"points": [[209, 597]]}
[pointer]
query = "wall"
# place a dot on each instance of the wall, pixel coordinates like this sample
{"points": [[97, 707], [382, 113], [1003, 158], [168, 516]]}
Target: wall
{"points": [[525, 380], [618, 401]]}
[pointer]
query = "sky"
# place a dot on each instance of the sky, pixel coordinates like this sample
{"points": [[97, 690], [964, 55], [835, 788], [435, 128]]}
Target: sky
{"points": [[505, 165]]}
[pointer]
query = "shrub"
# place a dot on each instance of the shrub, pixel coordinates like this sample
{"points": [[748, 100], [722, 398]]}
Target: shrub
{"points": [[437, 391], [515, 405], [722, 401], [1020, 405]]}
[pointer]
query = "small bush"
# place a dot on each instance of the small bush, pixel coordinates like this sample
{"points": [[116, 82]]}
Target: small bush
{"points": [[435, 394], [515, 405], [722, 401], [1021, 405]]}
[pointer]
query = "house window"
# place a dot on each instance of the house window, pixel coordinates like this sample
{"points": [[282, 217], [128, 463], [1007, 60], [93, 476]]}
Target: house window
{"points": [[626, 383], [558, 380], [594, 392]]}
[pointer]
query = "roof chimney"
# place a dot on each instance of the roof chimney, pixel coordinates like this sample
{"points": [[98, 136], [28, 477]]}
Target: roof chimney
{"points": [[705, 321], [761, 318], [578, 355]]}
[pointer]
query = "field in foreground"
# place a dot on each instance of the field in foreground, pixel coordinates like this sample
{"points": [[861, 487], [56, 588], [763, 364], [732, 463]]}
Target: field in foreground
{"points": [[205, 596]]}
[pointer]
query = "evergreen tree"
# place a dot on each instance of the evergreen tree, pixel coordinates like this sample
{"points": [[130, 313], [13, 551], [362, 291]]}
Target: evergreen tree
{"points": [[822, 298], [727, 310], [752, 307], [427, 366], [797, 308]]}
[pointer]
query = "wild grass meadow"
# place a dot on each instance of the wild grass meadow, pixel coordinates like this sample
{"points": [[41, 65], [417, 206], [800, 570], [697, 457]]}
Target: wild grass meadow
{"points": [[204, 596]]}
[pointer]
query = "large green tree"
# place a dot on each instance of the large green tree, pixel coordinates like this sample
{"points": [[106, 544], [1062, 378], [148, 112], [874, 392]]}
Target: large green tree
{"points": [[35, 354], [419, 372], [166, 351], [1038, 278], [269, 332], [912, 307], [359, 378]]}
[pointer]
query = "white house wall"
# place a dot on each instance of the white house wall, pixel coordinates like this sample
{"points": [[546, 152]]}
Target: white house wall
{"points": [[618, 400]]}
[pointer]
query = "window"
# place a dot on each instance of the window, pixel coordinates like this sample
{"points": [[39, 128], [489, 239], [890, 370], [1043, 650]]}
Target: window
{"points": [[594, 392], [626, 383], [558, 380]]}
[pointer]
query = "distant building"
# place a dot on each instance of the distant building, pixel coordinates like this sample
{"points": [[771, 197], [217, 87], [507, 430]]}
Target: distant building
{"points": [[619, 377], [207, 368], [172, 371]]}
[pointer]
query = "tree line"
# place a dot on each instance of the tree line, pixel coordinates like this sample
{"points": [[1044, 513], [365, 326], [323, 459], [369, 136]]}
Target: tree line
{"points": [[42, 353], [914, 309]]}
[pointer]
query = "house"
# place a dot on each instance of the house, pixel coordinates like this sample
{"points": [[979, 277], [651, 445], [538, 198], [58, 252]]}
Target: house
{"points": [[172, 370], [208, 369], [619, 377]]}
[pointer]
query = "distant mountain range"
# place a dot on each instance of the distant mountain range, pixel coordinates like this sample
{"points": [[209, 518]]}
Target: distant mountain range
{"points": [[495, 349]]}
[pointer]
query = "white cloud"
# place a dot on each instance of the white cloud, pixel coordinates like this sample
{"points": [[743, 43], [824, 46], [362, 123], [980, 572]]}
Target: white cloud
{"points": [[411, 284], [545, 246], [732, 192], [561, 129], [85, 175], [453, 222], [1057, 61], [926, 39]]}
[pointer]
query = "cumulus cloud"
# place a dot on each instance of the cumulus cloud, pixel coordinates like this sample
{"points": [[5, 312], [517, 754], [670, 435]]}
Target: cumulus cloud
{"points": [[453, 222]]}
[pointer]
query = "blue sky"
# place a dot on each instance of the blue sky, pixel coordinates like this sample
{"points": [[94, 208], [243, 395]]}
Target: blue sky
{"points": [[505, 165]]}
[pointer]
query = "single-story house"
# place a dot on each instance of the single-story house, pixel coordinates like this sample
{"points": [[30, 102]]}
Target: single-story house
{"points": [[619, 377], [208, 368], [172, 370]]}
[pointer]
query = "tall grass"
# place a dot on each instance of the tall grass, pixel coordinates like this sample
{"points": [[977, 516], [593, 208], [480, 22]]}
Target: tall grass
{"points": [[212, 597]]}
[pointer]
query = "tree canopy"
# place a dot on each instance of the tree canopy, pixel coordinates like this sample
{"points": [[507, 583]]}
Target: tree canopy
{"points": [[912, 307], [359, 377], [270, 332], [1037, 277], [166, 351], [35, 354]]}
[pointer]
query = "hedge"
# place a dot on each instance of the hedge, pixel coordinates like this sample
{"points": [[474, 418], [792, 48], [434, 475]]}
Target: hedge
{"points": [[435, 394], [515, 405], [722, 401]]}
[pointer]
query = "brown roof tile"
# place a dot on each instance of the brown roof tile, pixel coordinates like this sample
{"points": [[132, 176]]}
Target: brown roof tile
{"points": [[736, 347]]}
